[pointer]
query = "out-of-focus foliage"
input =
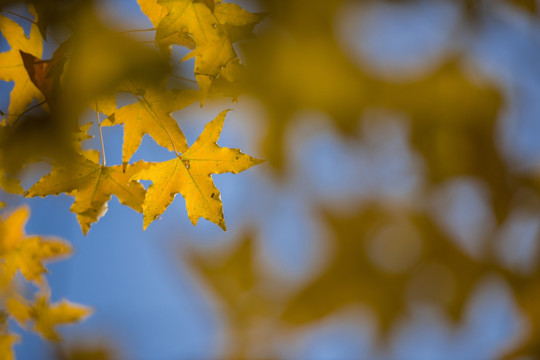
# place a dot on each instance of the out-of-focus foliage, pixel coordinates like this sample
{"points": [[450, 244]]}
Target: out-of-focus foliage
{"points": [[385, 255], [84, 351], [247, 305], [26, 254]]}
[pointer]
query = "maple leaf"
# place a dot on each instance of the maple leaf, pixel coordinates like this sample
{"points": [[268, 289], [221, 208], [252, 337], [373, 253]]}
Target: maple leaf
{"points": [[12, 68], [92, 186], [151, 115], [189, 175], [44, 316], [45, 74], [193, 24], [26, 253]]}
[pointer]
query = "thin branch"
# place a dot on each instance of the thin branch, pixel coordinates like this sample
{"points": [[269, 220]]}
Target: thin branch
{"points": [[19, 15], [28, 110], [184, 78], [136, 30], [103, 158]]}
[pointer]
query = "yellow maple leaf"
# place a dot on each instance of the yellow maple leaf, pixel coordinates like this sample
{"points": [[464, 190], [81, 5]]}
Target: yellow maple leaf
{"points": [[190, 175], [92, 186], [44, 316], [12, 68], [151, 115], [194, 24], [26, 253]]}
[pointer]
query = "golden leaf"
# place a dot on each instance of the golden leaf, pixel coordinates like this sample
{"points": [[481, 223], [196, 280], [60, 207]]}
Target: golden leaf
{"points": [[92, 186], [189, 175], [12, 68], [193, 24], [151, 115], [46, 317], [26, 253]]}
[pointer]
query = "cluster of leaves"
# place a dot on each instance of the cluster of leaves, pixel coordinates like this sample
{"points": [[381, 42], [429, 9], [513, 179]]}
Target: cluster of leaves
{"points": [[63, 89], [296, 64], [27, 255], [87, 70]]}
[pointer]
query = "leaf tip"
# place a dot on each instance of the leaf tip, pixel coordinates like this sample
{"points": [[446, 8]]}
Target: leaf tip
{"points": [[222, 225]]}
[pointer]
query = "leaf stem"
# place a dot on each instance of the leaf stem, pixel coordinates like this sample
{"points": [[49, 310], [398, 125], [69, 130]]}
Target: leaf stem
{"points": [[103, 158], [184, 78], [136, 30], [27, 110]]}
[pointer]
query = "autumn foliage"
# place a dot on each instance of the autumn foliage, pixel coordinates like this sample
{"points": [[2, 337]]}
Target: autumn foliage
{"points": [[386, 252]]}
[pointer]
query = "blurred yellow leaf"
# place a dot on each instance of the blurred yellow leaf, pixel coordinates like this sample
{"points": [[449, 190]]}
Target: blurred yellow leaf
{"points": [[100, 61], [384, 258], [45, 317], [6, 345], [189, 175], [86, 349], [10, 184], [250, 310], [27, 253]]}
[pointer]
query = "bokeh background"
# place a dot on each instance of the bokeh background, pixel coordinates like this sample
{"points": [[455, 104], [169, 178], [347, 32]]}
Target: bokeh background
{"points": [[396, 215]]}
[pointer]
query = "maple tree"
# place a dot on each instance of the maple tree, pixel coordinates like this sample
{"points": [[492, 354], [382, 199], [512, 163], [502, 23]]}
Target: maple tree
{"points": [[295, 63]]}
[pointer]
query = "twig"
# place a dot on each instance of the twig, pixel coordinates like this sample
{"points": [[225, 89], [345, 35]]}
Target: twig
{"points": [[136, 30], [103, 158]]}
